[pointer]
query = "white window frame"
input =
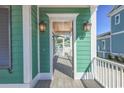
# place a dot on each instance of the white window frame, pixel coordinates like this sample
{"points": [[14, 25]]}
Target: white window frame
{"points": [[103, 41], [98, 48], [117, 22]]}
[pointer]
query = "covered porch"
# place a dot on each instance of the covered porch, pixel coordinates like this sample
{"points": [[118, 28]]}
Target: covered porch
{"points": [[63, 77], [33, 57]]}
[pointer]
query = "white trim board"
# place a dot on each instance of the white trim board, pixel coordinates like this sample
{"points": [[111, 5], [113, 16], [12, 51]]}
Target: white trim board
{"points": [[45, 76], [105, 37], [118, 54], [116, 11], [35, 80], [84, 75], [40, 76], [27, 44], [116, 33], [14, 85], [117, 15], [93, 11], [38, 39], [103, 51], [61, 16]]}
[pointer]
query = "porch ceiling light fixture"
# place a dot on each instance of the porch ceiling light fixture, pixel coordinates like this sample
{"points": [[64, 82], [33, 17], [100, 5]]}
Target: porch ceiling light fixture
{"points": [[87, 26], [42, 26]]}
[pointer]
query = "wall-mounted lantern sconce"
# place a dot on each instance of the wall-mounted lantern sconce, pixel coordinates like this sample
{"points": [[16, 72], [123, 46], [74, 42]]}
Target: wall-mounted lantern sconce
{"points": [[42, 26], [87, 26]]}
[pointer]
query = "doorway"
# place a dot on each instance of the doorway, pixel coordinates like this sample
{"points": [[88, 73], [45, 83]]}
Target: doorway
{"points": [[62, 44], [62, 48]]}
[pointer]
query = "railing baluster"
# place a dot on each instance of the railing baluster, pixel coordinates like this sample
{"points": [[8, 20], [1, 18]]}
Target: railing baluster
{"points": [[122, 78], [95, 69], [103, 72], [119, 77], [100, 74], [112, 76], [116, 76], [98, 70], [106, 76], [109, 74]]}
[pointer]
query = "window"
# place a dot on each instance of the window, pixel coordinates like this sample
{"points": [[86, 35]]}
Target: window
{"points": [[103, 44], [117, 19], [5, 49], [98, 48]]}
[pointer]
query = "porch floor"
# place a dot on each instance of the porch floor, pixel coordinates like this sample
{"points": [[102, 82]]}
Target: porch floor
{"points": [[62, 77]]}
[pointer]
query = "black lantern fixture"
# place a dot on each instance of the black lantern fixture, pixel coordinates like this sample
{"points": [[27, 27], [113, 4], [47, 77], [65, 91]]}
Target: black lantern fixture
{"points": [[42, 26], [87, 26]]}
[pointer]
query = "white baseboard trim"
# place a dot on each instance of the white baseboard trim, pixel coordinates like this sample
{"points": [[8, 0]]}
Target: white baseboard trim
{"points": [[40, 76], [45, 76], [84, 76], [14, 85], [35, 80]]}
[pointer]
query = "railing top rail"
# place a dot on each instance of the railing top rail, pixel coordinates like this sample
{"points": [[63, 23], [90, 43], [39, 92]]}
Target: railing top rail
{"points": [[110, 62]]}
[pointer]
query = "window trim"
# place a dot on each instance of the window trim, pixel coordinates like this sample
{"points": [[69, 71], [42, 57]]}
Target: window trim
{"points": [[9, 66], [116, 23], [104, 46]]}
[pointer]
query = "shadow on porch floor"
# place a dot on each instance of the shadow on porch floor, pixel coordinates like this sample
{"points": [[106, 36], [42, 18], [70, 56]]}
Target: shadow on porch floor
{"points": [[72, 84], [63, 77]]}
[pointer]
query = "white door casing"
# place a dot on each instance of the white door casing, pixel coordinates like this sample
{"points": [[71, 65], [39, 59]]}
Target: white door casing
{"points": [[62, 17]]}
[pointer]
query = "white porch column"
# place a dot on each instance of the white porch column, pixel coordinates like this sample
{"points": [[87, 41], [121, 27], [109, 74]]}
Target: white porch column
{"points": [[93, 10], [27, 44]]}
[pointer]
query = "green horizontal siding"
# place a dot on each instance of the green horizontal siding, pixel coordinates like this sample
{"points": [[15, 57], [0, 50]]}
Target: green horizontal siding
{"points": [[17, 49], [44, 46], [83, 39], [34, 41]]}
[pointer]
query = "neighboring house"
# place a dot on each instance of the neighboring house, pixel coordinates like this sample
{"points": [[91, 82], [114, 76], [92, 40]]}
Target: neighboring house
{"points": [[26, 54], [117, 29], [113, 42], [103, 45]]}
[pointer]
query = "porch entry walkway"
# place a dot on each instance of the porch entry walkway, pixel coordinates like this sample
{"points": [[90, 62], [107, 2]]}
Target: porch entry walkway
{"points": [[63, 76]]}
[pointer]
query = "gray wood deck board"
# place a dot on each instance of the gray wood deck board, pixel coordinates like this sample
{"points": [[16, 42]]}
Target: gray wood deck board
{"points": [[63, 77]]}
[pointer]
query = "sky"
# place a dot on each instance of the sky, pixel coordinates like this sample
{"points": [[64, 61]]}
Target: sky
{"points": [[103, 21]]}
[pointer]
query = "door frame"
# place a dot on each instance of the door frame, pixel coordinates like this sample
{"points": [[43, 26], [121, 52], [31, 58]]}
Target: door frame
{"points": [[62, 16]]}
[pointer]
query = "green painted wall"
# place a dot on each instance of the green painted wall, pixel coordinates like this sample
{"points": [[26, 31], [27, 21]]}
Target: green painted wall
{"points": [[17, 49], [34, 41], [44, 46], [82, 38]]}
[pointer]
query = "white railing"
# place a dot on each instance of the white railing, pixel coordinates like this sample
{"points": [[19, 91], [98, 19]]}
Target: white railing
{"points": [[108, 73]]}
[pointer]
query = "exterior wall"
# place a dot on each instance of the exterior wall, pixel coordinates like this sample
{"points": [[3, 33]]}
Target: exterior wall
{"points": [[44, 46], [17, 49], [118, 43], [119, 27], [117, 39], [83, 39], [34, 41], [103, 52]]}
